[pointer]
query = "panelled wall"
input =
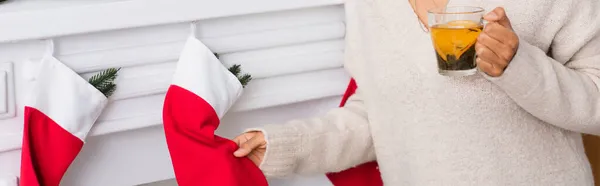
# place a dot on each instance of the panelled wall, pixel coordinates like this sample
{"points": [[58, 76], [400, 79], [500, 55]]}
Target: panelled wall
{"points": [[293, 49]]}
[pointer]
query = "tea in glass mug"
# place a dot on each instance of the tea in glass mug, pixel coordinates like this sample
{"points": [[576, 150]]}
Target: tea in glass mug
{"points": [[454, 32]]}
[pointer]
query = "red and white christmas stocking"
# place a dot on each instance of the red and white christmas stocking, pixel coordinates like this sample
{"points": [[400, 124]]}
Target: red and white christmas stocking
{"points": [[202, 92], [58, 116], [366, 174]]}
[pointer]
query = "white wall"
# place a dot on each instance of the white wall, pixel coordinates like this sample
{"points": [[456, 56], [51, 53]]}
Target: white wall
{"points": [[293, 48]]}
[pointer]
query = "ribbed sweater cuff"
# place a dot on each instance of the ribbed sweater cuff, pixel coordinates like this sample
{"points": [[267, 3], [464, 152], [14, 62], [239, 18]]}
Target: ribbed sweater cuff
{"points": [[283, 148]]}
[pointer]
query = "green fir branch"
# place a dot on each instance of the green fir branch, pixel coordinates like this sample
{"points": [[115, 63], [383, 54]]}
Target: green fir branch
{"points": [[245, 79], [236, 70], [105, 81], [108, 89], [104, 76]]}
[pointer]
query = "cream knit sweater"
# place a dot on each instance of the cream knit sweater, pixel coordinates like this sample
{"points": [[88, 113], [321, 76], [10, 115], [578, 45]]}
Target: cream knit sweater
{"points": [[424, 129]]}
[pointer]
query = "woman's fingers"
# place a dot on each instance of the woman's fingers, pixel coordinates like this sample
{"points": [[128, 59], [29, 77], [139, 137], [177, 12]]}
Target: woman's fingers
{"points": [[498, 15], [488, 68], [497, 44], [500, 33], [493, 44], [257, 156], [247, 143], [487, 54]]}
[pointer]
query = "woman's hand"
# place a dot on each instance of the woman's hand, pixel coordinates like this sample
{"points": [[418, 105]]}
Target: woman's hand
{"points": [[253, 145], [497, 44]]}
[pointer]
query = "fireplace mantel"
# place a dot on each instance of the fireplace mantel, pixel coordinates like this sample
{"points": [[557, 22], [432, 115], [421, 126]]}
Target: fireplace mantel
{"points": [[293, 49]]}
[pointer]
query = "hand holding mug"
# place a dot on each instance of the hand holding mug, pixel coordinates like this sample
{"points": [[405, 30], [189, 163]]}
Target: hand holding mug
{"points": [[497, 44]]}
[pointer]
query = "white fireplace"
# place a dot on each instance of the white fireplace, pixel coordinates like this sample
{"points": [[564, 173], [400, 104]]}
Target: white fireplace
{"points": [[293, 48]]}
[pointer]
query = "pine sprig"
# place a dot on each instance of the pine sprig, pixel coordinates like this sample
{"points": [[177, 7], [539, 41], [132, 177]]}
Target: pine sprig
{"points": [[105, 81], [236, 70], [243, 78], [104, 76], [108, 89]]}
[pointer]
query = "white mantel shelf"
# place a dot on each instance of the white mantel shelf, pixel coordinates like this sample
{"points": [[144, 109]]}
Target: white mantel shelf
{"points": [[45, 23]]}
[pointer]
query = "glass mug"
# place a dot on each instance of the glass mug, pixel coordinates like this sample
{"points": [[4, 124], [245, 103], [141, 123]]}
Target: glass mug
{"points": [[454, 31]]}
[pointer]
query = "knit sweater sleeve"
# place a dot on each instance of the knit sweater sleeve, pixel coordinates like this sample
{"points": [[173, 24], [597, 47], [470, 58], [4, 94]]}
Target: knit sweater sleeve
{"points": [[561, 92], [333, 142]]}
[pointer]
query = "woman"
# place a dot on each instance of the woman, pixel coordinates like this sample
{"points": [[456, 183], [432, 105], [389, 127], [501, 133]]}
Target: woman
{"points": [[517, 122]]}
